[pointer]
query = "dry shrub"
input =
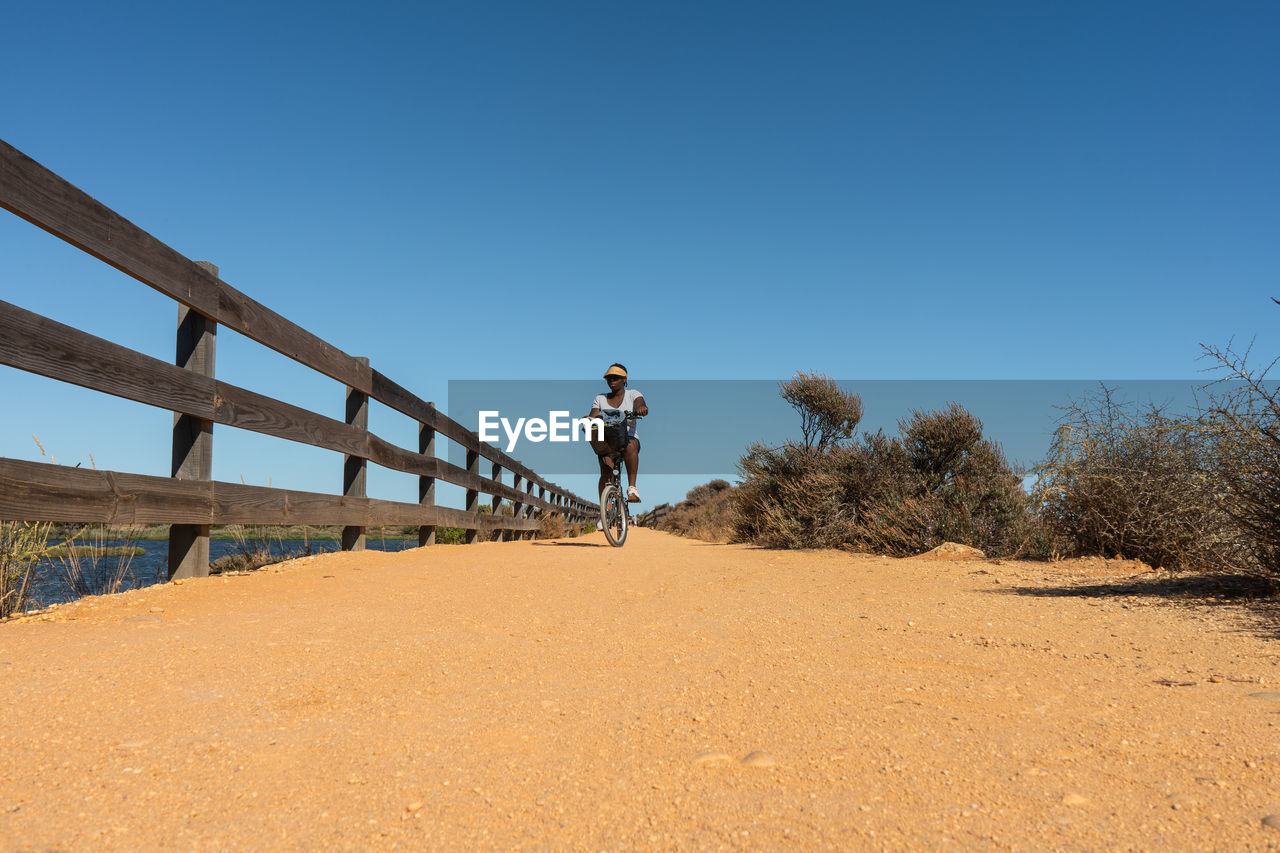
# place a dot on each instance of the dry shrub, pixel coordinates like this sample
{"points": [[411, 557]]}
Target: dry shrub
{"points": [[245, 561], [1243, 420], [828, 414], [551, 526], [1133, 482], [792, 497], [706, 513], [253, 547], [701, 495], [939, 481], [965, 489]]}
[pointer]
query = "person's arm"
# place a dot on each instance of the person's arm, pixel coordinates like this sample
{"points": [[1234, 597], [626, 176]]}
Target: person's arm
{"points": [[640, 408]]}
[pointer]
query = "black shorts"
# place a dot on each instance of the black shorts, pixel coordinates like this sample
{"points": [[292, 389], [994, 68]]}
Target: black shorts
{"points": [[612, 450]]}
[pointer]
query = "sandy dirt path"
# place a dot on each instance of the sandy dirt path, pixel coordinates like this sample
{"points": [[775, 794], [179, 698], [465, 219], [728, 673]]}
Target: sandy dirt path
{"points": [[566, 695]]}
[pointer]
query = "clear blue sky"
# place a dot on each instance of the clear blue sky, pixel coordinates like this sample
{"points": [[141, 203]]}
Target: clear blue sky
{"points": [[711, 190]]}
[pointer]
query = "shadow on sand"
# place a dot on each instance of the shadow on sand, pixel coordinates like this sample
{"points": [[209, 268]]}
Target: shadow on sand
{"points": [[1259, 596], [570, 545]]}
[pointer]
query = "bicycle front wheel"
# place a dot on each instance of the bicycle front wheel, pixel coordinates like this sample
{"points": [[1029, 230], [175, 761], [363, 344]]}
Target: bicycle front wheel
{"points": [[613, 515]]}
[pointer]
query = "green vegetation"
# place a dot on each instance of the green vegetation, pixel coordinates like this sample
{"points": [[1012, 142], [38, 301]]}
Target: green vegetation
{"points": [[22, 546], [59, 551], [86, 565], [450, 536]]}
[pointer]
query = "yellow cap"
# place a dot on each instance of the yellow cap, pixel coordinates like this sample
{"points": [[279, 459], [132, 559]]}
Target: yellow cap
{"points": [[615, 371]]}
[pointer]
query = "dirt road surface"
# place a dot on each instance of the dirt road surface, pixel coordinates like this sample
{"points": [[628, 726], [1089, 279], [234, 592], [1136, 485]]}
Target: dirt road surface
{"points": [[668, 695]]}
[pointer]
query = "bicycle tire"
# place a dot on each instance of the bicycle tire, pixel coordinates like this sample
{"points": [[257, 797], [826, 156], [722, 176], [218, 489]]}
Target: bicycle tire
{"points": [[613, 515]]}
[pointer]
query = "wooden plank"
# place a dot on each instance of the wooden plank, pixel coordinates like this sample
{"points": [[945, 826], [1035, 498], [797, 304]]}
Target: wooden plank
{"points": [[389, 393], [244, 409], [42, 346], [388, 455], [39, 345], [36, 194], [404, 401], [37, 491], [456, 476], [254, 320], [236, 503], [49, 202]]}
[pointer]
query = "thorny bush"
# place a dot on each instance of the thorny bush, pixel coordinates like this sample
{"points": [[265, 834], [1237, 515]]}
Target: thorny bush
{"points": [[1243, 418], [1120, 480]]}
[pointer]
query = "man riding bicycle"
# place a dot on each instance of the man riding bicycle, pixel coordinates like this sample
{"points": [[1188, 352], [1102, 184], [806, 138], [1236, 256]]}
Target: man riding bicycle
{"points": [[613, 408]]}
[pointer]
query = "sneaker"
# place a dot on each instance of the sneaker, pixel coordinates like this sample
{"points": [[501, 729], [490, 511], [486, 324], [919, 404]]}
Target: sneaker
{"points": [[632, 495]]}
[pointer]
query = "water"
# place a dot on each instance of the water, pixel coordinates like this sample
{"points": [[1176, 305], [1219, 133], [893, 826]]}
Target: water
{"points": [[51, 586]]}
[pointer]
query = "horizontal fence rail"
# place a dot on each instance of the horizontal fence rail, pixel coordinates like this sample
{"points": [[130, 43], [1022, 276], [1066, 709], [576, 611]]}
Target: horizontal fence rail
{"points": [[191, 501], [37, 491], [653, 516]]}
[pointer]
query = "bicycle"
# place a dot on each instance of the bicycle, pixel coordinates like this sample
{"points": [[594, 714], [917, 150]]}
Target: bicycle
{"points": [[615, 513]]}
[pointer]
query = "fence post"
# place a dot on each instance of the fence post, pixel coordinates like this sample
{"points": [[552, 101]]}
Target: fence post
{"points": [[426, 485], [529, 509], [355, 467], [500, 535], [193, 438], [473, 495], [516, 506]]}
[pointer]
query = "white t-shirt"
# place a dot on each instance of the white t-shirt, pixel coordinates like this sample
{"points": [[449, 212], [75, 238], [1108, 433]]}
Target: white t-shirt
{"points": [[611, 415]]}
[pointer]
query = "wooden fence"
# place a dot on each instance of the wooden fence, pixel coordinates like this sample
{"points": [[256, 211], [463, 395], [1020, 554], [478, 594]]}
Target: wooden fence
{"points": [[653, 516], [190, 501]]}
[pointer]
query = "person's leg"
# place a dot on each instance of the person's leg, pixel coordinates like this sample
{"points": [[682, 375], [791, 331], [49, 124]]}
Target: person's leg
{"points": [[632, 457], [606, 474], [601, 448]]}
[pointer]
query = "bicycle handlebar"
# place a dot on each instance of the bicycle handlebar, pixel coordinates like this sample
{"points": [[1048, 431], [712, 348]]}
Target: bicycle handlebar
{"points": [[630, 416]]}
